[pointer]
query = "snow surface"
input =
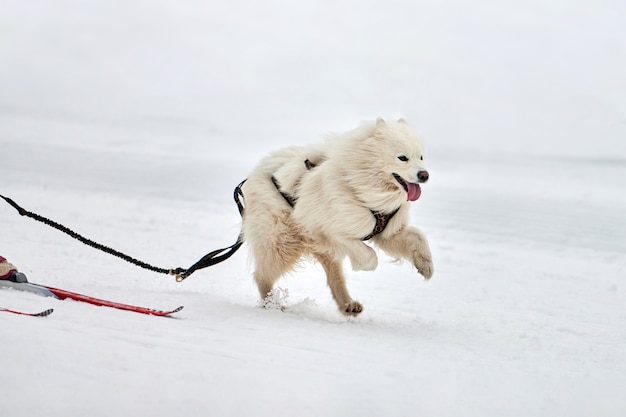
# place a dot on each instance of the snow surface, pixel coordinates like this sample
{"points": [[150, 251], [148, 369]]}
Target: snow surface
{"points": [[132, 121]]}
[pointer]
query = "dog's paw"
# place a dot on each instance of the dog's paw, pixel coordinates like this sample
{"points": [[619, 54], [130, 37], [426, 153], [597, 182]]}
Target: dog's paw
{"points": [[424, 265], [353, 308], [275, 299]]}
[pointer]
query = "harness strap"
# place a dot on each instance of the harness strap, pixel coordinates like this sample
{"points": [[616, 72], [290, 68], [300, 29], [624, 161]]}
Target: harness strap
{"points": [[289, 199], [382, 219]]}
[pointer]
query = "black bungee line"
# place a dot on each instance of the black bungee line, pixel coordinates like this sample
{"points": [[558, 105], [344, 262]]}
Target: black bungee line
{"points": [[181, 274]]}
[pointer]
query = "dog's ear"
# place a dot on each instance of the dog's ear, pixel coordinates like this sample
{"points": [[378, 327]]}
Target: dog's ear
{"points": [[401, 120], [380, 122]]}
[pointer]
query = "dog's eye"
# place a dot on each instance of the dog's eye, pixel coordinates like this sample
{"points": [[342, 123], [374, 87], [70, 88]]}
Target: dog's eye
{"points": [[403, 158], [421, 158]]}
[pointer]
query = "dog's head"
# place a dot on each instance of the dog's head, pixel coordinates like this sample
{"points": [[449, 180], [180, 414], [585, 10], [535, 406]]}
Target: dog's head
{"points": [[402, 157], [383, 162]]}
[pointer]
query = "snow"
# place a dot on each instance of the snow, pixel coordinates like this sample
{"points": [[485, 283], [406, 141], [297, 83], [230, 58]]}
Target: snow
{"points": [[131, 122]]}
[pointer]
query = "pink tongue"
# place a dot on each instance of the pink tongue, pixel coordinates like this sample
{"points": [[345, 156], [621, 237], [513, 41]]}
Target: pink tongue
{"points": [[414, 191]]}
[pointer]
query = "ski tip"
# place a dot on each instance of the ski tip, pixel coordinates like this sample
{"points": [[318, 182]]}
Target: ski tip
{"points": [[22, 313], [176, 310], [44, 313], [161, 313]]}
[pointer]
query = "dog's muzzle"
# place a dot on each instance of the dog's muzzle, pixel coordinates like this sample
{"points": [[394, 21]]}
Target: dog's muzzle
{"points": [[413, 190]]}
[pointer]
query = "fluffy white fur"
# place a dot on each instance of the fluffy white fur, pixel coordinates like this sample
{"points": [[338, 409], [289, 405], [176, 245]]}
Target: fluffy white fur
{"points": [[353, 176]]}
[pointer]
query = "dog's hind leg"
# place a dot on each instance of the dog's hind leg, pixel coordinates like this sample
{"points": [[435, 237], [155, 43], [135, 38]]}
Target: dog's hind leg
{"points": [[275, 252], [337, 283], [271, 262]]}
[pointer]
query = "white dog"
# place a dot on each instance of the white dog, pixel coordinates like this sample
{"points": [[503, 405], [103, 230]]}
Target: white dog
{"points": [[327, 200]]}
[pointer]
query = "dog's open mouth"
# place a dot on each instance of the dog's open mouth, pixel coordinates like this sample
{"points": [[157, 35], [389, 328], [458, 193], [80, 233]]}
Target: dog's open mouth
{"points": [[413, 190]]}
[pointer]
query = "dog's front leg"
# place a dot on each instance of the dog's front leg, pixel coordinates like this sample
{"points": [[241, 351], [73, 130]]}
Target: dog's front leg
{"points": [[337, 283], [409, 243], [362, 257]]}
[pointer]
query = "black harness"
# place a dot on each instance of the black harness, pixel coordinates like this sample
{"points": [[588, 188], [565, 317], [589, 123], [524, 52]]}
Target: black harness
{"points": [[289, 199], [382, 219], [211, 258]]}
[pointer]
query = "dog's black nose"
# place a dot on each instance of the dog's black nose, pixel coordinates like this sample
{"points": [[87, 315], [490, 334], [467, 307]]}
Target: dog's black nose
{"points": [[422, 176]]}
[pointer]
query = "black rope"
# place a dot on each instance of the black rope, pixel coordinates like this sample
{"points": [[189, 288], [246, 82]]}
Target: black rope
{"points": [[218, 255], [209, 259], [86, 241]]}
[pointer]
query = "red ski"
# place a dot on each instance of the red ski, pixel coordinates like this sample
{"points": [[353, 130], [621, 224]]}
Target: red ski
{"points": [[41, 314], [64, 294]]}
